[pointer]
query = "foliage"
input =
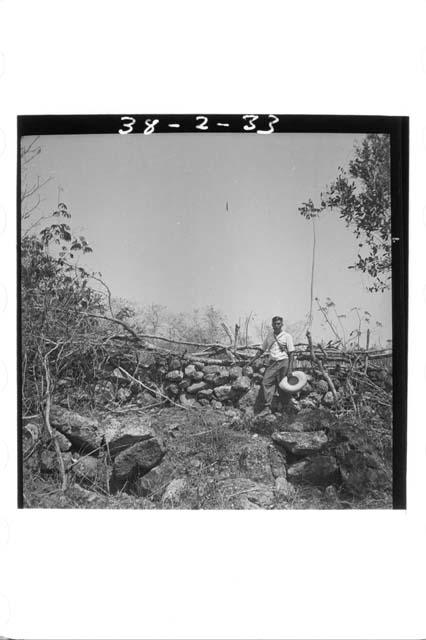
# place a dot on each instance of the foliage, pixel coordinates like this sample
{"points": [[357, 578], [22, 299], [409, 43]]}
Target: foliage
{"points": [[57, 330], [362, 196]]}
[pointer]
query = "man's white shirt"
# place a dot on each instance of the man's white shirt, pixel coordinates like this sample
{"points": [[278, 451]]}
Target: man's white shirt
{"points": [[270, 345]]}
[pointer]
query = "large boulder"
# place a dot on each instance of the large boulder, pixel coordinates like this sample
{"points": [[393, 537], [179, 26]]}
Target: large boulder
{"points": [[136, 460], [317, 470], [84, 433], [301, 443], [361, 457], [123, 433], [152, 484]]}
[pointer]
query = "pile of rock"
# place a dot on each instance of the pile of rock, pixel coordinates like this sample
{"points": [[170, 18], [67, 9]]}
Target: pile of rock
{"points": [[93, 449], [323, 450], [199, 384]]}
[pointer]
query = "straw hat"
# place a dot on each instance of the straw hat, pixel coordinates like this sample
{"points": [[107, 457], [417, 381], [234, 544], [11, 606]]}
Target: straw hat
{"points": [[297, 381]]}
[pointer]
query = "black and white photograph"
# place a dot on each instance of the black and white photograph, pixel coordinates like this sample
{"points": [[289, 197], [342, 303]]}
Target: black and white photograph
{"points": [[211, 312]]}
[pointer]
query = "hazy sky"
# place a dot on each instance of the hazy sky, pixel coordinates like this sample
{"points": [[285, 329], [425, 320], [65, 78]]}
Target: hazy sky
{"points": [[154, 210]]}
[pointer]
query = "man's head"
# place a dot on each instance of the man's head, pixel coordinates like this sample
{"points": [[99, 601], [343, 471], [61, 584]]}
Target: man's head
{"points": [[277, 324]]}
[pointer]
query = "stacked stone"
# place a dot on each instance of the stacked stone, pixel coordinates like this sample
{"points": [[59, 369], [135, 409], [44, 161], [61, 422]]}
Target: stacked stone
{"points": [[215, 383], [193, 383]]}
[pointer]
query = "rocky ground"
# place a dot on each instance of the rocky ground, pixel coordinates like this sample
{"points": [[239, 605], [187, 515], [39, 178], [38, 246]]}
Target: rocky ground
{"points": [[211, 458]]}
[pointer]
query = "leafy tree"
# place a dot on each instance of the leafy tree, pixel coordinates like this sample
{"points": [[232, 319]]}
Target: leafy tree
{"points": [[362, 196]]}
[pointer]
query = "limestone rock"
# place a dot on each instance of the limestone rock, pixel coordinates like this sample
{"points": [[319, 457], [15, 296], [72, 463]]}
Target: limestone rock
{"points": [[328, 399], [318, 470], [172, 390], [64, 443], [139, 458], [185, 401], [321, 386], [223, 392], [190, 370], [318, 419], [174, 376], [121, 434], [283, 488], [175, 364], [254, 461], [221, 377], [248, 371], [216, 404], [295, 427], [84, 433], [235, 372], [205, 393], [197, 376], [361, 460], [277, 461], [301, 444], [123, 394], [197, 386], [211, 368], [86, 468], [241, 384], [265, 424]]}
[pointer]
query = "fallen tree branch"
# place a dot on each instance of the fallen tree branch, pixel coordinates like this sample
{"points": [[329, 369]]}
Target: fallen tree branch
{"points": [[148, 389], [321, 367]]}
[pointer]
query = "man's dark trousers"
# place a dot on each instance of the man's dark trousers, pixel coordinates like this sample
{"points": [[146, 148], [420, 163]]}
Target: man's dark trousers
{"points": [[273, 375]]}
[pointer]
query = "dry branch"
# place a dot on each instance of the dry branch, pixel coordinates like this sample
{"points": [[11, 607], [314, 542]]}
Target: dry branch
{"points": [[321, 367]]}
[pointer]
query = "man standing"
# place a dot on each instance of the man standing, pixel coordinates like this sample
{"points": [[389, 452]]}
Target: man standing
{"points": [[280, 347]]}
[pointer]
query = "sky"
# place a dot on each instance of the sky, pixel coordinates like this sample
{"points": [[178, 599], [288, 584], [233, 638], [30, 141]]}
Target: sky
{"points": [[188, 220]]}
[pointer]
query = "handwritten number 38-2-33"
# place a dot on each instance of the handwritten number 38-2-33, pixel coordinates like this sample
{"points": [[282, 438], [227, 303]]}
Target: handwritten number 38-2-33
{"points": [[128, 123]]}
